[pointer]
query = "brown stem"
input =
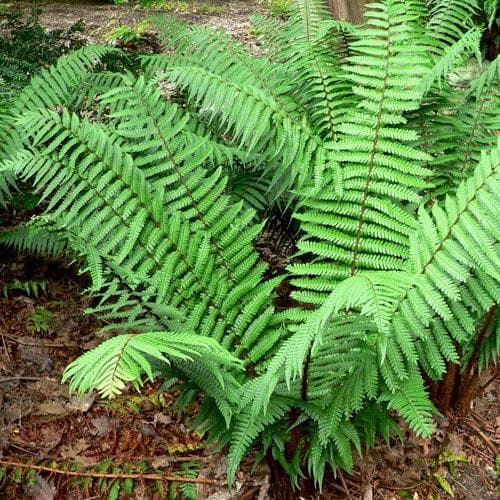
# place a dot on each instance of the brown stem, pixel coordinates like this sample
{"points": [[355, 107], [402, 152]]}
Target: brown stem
{"points": [[491, 445], [466, 394], [446, 393], [470, 385], [12, 379], [483, 333], [109, 475], [37, 344]]}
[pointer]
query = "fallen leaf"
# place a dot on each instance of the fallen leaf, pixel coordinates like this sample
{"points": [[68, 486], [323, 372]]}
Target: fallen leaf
{"points": [[42, 489], [102, 425], [81, 404], [74, 449], [56, 407], [161, 418]]}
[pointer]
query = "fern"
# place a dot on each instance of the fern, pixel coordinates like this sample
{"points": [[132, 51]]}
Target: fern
{"points": [[7, 177], [125, 358], [35, 238], [458, 126], [7, 183], [416, 409], [274, 127], [100, 184], [157, 184], [490, 349], [449, 20], [380, 168]]}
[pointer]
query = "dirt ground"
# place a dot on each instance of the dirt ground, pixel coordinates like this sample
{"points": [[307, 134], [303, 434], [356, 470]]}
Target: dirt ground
{"points": [[100, 17], [40, 423]]}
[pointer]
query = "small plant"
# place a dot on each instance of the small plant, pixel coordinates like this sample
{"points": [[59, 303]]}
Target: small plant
{"points": [[40, 320], [208, 8], [30, 287], [124, 479], [166, 5], [278, 8], [186, 491], [26, 46], [172, 5], [126, 34]]}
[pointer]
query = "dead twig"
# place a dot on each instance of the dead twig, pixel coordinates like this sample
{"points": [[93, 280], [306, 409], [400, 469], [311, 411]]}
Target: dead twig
{"points": [[36, 344], [13, 379], [477, 451], [481, 420], [128, 459], [344, 485], [250, 493], [395, 488], [109, 475], [491, 445]]}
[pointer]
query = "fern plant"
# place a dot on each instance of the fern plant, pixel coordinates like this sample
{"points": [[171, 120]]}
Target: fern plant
{"points": [[156, 183]]}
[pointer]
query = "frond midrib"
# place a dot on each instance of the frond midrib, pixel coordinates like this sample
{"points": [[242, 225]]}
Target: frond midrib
{"points": [[378, 124], [446, 236], [182, 181]]}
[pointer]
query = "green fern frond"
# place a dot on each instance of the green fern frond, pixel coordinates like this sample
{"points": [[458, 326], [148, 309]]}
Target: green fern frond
{"points": [[382, 171], [50, 88], [322, 86], [35, 238], [7, 176], [125, 358], [246, 429], [373, 135], [458, 126], [123, 213], [7, 184], [490, 349], [449, 20], [413, 404], [467, 44], [491, 9], [456, 246], [222, 84]]}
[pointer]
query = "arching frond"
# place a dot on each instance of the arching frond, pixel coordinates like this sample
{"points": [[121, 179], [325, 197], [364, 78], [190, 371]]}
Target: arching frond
{"points": [[449, 20], [125, 358]]}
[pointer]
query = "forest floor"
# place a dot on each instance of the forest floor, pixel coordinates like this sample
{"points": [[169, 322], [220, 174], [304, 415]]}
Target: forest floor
{"points": [[101, 17], [43, 328]]}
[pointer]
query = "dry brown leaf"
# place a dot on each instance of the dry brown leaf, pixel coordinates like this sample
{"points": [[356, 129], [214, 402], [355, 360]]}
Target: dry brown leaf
{"points": [[74, 449], [102, 424], [43, 490], [81, 404], [54, 407]]}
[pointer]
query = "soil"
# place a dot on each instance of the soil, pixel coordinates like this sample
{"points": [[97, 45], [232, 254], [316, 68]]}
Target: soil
{"points": [[41, 423], [101, 17]]}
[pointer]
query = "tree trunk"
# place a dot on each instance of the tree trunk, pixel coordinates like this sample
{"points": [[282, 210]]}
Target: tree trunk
{"points": [[348, 10]]}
